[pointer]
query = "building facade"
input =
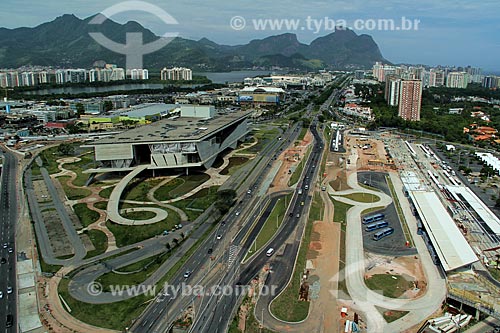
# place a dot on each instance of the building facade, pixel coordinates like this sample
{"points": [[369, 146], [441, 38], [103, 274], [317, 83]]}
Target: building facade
{"points": [[410, 100], [194, 139], [176, 74]]}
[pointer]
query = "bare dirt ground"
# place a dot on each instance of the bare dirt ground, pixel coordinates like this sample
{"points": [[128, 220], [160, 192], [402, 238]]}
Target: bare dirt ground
{"points": [[290, 158], [323, 254], [407, 266], [371, 153]]}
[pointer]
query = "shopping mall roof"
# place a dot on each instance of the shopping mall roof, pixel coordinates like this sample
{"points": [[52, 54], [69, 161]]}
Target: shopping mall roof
{"points": [[451, 246]]}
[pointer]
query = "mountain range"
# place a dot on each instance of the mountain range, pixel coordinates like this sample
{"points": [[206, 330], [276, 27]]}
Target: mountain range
{"points": [[65, 42]]}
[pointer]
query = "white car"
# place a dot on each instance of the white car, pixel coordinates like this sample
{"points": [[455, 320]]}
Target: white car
{"points": [[1, 294], [237, 213], [219, 237], [9, 290]]}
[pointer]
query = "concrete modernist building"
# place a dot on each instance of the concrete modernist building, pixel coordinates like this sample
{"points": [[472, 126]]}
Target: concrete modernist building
{"points": [[410, 100], [192, 140]]}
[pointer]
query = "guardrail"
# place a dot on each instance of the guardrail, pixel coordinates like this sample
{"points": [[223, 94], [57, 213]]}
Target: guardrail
{"points": [[478, 306]]}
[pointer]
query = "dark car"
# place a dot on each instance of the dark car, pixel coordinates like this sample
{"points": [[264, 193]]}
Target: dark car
{"points": [[3, 261], [10, 321], [210, 250]]}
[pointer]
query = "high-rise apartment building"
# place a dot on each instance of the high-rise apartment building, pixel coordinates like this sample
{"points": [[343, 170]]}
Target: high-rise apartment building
{"points": [[138, 74], [457, 80], [410, 100], [177, 74], [392, 90], [490, 82]]}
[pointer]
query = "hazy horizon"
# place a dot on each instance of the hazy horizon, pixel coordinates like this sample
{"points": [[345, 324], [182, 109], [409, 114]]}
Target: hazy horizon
{"points": [[451, 32]]}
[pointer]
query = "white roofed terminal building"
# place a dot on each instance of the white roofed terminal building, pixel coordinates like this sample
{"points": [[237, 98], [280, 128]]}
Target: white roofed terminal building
{"points": [[193, 139], [261, 96]]}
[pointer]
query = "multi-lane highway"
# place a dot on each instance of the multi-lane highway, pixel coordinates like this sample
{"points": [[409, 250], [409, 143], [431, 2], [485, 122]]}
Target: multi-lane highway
{"points": [[214, 312], [8, 218], [216, 315], [160, 315]]}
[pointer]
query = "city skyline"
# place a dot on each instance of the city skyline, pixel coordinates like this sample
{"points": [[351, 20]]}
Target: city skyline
{"points": [[449, 33]]}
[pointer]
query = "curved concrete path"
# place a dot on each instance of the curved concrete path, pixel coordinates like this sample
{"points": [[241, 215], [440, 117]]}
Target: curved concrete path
{"points": [[366, 299], [114, 203]]}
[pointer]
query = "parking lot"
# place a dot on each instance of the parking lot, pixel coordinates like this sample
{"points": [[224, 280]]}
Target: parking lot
{"points": [[393, 244]]}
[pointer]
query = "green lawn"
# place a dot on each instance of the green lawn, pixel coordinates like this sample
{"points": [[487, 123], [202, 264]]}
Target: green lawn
{"points": [[35, 169], [51, 155], [138, 189], [118, 315], [362, 197], [106, 193], [179, 186], [101, 205], [73, 193], [86, 162], [87, 216], [302, 134], [388, 285], [196, 204], [287, 305], [100, 242], [149, 265], [399, 210], [340, 211], [371, 210], [126, 235], [271, 225], [234, 164], [138, 216], [263, 137], [141, 264], [127, 310]]}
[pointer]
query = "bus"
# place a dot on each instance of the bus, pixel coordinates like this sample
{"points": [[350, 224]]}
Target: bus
{"points": [[373, 218], [382, 233], [376, 225]]}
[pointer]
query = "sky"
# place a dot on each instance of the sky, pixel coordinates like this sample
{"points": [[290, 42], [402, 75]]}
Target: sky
{"points": [[449, 32]]}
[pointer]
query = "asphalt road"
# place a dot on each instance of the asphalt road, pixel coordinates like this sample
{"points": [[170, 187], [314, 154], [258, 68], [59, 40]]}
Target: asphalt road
{"points": [[8, 218], [160, 314], [217, 314]]}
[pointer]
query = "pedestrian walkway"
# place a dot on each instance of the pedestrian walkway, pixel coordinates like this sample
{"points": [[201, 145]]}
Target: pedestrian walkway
{"points": [[114, 202], [365, 299]]}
